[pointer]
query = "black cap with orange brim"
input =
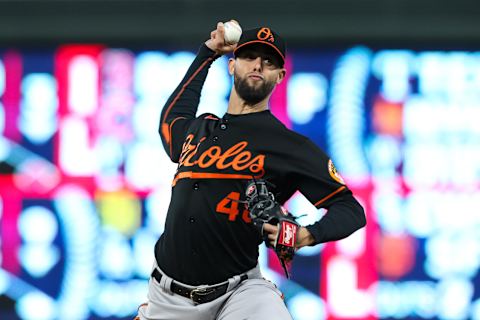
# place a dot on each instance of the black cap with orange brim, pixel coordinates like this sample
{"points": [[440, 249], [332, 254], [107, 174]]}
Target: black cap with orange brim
{"points": [[265, 36]]}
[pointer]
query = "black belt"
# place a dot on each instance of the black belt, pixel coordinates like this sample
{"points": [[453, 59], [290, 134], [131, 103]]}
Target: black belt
{"points": [[197, 295]]}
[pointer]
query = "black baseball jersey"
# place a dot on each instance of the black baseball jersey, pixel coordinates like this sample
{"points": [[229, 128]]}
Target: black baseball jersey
{"points": [[208, 234]]}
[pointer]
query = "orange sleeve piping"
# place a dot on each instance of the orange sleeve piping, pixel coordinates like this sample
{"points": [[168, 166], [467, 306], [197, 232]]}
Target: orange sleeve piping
{"points": [[330, 195], [180, 93], [170, 132]]}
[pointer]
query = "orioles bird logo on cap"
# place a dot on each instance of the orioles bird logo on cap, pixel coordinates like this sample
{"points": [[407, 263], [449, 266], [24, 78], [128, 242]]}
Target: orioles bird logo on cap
{"points": [[265, 34]]}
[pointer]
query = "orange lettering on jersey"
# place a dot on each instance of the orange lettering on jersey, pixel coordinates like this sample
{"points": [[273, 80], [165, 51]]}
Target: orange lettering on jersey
{"points": [[209, 157], [188, 151], [236, 157]]}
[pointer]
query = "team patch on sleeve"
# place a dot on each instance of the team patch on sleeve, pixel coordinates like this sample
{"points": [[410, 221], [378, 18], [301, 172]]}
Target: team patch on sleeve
{"points": [[334, 173]]}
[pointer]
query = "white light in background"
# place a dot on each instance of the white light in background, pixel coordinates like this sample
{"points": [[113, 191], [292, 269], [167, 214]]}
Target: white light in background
{"points": [[421, 296], [2, 120], [429, 211], [156, 74], [38, 259], [401, 300], [156, 205], [39, 92], [464, 159], [419, 214], [143, 242], [454, 296], [4, 146], [432, 75], [345, 299], [422, 117], [2, 275], [119, 299], [146, 119], [475, 310], [307, 306], [463, 204], [393, 67], [4, 281], [436, 119], [105, 304], [80, 225], [346, 114], [458, 66], [38, 225], [77, 156], [36, 306], [147, 166], [180, 62], [216, 89], [115, 261], [38, 229], [387, 298], [463, 76], [39, 104], [109, 156], [453, 253], [437, 163], [389, 209], [354, 245], [83, 85], [424, 164], [384, 153], [307, 95], [151, 75]]}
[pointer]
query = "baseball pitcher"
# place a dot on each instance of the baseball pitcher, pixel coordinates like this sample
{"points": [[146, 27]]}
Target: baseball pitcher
{"points": [[234, 173]]}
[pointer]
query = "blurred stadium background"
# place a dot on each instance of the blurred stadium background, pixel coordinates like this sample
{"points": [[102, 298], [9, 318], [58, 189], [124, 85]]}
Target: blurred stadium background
{"points": [[390, 89]]}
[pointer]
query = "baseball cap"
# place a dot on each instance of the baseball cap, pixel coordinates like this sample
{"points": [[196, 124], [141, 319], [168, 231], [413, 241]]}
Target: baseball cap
{"points": [[265, 36]]}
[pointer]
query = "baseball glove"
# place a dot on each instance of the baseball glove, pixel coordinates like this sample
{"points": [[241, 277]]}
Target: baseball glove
{"points": [[264, 209]]}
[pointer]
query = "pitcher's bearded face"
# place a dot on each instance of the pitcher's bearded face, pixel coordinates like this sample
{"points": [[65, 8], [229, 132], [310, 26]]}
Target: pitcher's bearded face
{"points": [[253, 89], [256, 73]]}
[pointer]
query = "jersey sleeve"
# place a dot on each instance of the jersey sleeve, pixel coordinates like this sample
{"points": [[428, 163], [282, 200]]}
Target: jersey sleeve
{"points": [[322, 185], [316, 176], [181, 107]]}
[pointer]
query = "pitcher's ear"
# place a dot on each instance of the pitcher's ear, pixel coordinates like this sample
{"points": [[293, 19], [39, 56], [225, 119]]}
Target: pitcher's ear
{"points": [[231, 66], [281, 75]]}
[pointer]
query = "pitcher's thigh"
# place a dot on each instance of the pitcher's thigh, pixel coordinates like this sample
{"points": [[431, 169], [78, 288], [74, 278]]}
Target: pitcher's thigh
{"points": [[255, 299]]}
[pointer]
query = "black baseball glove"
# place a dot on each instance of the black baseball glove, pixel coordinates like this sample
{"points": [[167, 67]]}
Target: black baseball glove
{"points": [[264, 209]]}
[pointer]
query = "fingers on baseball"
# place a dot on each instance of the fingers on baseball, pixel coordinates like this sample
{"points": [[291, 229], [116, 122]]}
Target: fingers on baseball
{"points": [[220, 29]]}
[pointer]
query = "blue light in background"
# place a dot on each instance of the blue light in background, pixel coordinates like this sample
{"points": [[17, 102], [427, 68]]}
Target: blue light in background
{"points": [[346, 113], [38, 119], [307, 94], [2, 78], [425, 183]]}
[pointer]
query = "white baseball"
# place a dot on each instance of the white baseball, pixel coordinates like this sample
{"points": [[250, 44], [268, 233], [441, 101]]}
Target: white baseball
{"points": [[233, 31]]}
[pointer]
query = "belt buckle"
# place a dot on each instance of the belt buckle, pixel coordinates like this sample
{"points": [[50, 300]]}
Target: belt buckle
{"points": [[200, 292]]}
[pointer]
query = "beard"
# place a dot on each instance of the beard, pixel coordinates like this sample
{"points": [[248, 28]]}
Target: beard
{"points": [[252, 94]]}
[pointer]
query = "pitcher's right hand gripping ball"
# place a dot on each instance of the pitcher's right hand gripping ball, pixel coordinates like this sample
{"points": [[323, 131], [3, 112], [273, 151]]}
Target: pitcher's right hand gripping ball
{"points": [[264, 209], [219, 43]]}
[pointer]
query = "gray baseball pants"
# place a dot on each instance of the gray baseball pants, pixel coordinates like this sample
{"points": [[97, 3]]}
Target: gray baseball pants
{"points": [[252, 299]]}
